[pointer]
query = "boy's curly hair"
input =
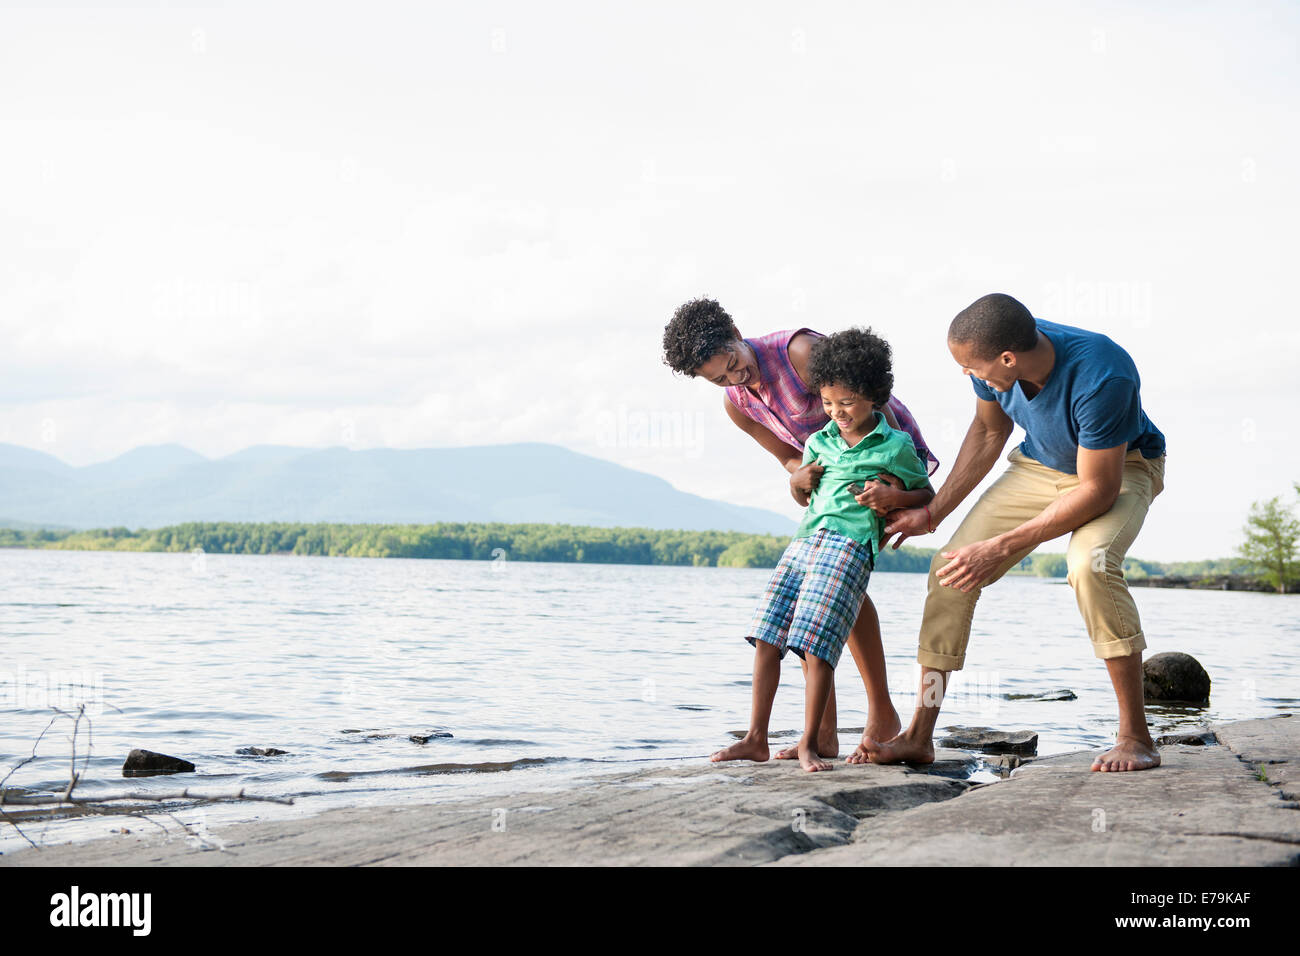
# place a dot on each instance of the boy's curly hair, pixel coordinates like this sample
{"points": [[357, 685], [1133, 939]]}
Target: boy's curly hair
{"points": [[698, 330], [855, 359]]}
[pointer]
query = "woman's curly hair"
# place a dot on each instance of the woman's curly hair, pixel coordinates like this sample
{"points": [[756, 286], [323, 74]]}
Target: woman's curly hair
{"points": [[856, 359], [698, 330]]}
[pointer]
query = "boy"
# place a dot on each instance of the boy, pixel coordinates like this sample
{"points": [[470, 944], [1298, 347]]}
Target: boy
{"points": [[814, 594]]}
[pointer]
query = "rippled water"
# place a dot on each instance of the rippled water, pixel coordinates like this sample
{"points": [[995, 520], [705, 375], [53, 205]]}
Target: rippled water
{"points": [[556, 672]]}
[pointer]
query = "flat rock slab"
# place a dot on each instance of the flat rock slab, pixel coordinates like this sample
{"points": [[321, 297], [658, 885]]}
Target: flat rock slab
{"points": [[1226, 804], [990, 741], [689, 813], [1204, 806]]}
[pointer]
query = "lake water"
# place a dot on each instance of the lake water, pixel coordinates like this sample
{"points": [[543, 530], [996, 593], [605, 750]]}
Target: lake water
{"points": [[546, 675]]}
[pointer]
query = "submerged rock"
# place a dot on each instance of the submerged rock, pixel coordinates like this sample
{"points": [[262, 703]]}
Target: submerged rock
{"points": [[432, 735], [1203, 739], [145, 763], [1174, 676], [1062, 694], [990, 741], [259, 752]]}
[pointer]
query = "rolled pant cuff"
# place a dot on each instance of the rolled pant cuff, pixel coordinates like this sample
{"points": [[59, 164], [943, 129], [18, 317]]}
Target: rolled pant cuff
{"points": [[1112, 647], [940, 662]]}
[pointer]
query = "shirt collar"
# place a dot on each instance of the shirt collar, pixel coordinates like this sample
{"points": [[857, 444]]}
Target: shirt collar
{"points": [[873, 437]]}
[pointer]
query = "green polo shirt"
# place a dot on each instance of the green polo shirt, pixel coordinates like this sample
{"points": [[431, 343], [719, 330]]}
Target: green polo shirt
{"points": [[832, 505]]}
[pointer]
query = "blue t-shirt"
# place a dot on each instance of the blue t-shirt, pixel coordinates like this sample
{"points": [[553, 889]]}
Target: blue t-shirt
{"points": [[1090, 401]]}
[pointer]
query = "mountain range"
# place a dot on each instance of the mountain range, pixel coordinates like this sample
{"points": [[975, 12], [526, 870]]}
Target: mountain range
{"points": [[157, 485]]}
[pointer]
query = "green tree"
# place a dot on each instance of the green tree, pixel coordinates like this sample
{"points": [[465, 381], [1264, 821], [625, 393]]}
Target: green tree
{"points": [[1272, 532]]}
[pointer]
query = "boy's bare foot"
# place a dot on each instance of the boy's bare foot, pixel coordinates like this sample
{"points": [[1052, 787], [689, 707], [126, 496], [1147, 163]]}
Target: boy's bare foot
{"points": [[902, 749], [828, 747], [810, 761], [1129, 753], [885, 728], [747, 748]]}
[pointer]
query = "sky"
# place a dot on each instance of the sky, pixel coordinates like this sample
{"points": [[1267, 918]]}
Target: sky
{"points": [[415, 225]]}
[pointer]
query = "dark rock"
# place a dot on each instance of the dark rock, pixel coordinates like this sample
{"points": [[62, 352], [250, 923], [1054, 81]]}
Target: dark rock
{"points": [[1004, 763], [1173, 676], [990, 741], [1203, 739], [259, 752], [1061, 694], [433, 735], [146, 763]]}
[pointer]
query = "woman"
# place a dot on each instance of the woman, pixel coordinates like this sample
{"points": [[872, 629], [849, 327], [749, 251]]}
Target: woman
{"points": [[767, 398]]}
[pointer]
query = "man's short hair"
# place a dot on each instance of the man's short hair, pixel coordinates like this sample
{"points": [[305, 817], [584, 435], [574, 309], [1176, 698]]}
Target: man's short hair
{"points": [[698, 330], [994, 324]]}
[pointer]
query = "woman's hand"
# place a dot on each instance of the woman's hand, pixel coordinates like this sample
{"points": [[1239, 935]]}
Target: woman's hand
{"points": [[881, 494], [806, 478]]}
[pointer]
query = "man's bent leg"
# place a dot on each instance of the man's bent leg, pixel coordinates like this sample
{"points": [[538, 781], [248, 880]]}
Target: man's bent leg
{"points": [[1096, 562], [1023, 492]]}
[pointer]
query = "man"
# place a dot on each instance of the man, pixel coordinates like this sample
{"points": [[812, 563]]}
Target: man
{"points": [[1090, 464]]}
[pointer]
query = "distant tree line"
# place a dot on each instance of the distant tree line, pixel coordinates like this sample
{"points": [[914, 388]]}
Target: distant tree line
{"points": [[1273, 530], [474, 542]]}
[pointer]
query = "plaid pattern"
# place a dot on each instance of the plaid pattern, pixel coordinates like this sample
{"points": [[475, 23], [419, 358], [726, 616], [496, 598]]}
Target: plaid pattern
{"points": [[814, 595], [789, 411]]}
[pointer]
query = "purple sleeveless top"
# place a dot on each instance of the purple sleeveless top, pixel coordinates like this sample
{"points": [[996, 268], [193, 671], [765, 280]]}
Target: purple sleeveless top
{"points": [[785, 406]]}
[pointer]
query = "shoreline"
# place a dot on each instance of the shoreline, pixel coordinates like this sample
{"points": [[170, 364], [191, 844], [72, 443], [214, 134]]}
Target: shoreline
{"points": [[1234, 801]]}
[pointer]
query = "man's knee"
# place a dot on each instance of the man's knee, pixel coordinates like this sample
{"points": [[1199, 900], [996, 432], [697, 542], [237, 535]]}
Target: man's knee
{"points": [[1088, 565]]}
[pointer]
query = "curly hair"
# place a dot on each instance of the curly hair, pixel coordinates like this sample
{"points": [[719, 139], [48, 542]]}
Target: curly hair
{"points": [[698, 330], [856, 359]]}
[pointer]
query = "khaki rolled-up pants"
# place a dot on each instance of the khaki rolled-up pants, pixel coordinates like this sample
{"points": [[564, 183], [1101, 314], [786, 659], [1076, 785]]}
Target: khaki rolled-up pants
{"points": [[1095, 557]]}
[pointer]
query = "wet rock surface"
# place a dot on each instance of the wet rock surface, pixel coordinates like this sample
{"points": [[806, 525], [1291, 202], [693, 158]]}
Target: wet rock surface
{"points": [[990, 741], [1174, 676], [147, 763]]}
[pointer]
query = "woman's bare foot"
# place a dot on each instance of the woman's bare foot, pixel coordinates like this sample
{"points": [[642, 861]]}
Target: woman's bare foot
{"points": [[748, 747], [1129, 753], [902, 749], [883, 728], [827, 746], [810, 761]]}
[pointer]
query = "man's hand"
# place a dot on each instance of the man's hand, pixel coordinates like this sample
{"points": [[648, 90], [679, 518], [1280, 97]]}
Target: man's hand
{"points": [[880, 494], [907, 523], [970, 566], [806, 478]]}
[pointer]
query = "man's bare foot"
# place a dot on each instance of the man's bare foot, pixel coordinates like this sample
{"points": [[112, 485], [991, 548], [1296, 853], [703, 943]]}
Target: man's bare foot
{"points": [[747, 748], [902, 749], [884, 728], [828, 747], [810, 761], [1129, 753]]}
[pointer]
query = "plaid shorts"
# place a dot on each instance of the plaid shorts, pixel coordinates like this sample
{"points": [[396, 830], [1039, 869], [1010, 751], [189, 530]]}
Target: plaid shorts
{"points": [[814, 596]]}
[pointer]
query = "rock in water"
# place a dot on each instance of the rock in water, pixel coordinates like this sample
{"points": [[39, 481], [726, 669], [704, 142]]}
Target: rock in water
{"points": [[146, 763], [259, 752], [432, 735], [1173, 676], [990, 741], [1062, 694]]}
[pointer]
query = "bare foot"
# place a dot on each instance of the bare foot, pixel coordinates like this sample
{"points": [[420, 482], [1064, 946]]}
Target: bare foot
{"points": [[1129, 753], [810, 761], [885, 728], [747, 748], [828, 747], [902, 749]]}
